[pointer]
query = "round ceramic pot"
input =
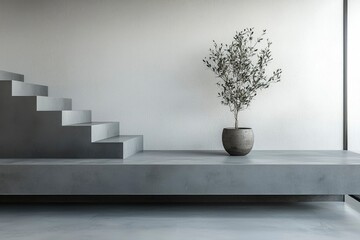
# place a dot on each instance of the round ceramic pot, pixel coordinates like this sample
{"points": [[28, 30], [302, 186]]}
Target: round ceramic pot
{"points": [[238, 142]]}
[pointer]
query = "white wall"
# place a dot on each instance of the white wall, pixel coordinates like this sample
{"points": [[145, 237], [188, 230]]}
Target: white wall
{"points": [[139, 62], [353, 75]]}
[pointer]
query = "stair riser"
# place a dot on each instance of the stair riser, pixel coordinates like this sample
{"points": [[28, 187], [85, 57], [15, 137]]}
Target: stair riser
{"points": [[133, 146], [75, 117], [53, 104], [103, 131], [31, 134], [11, 76], [26, 89]]}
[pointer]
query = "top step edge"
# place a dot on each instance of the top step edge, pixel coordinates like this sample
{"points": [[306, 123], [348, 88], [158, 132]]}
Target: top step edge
{"points": [[4, 75], [91, 124], [120, 139], [26, 83], [69, 111], [53, 98]]}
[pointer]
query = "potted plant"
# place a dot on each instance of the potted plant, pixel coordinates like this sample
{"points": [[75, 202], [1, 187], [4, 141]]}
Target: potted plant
{"points": [[241, 67]]}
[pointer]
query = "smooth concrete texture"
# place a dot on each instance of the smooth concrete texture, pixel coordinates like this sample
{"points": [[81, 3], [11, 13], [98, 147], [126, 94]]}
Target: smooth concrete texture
{"points": [[353, 202], [52, 104], [27, 89], [353, 75], [4, 75], [76, 117], [140, 62], [300, 221], [101, 130], [187, 173], [131, 144], [167, 199], [34, 125]]}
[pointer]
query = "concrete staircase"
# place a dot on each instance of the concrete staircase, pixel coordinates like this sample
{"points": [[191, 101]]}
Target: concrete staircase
{"points": [[33, 125]]}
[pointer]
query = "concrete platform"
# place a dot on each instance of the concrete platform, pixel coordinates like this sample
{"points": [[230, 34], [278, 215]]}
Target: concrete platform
{"points": [[187, 173]]}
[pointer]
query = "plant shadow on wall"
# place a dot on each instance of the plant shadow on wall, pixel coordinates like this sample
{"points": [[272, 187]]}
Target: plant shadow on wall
{"points": [[241, 67]]}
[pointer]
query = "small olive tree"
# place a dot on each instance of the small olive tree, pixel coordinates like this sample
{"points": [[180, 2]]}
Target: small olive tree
{"points": [[241, 66]]}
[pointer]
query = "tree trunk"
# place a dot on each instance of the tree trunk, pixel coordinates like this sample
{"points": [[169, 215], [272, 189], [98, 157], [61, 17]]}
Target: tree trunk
{"points": [[236, 119]]}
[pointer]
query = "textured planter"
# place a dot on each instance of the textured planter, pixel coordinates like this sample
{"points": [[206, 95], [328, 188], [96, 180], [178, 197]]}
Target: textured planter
{"points": [[238, 142]]}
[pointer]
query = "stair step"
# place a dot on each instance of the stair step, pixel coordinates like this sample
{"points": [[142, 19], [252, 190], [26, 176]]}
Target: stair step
{"points": [[120, 139], [71, 117], [131, 144], [54, 129], [53, 104], [100, 130], [28, 89], [4, 75]]}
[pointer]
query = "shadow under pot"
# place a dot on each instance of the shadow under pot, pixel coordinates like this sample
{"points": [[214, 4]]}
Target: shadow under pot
{"points": [[238, 142]]}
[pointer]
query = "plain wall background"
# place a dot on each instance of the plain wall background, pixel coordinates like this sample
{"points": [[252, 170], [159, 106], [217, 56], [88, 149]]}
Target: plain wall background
{"points": [[140, 63], [353, 75]]}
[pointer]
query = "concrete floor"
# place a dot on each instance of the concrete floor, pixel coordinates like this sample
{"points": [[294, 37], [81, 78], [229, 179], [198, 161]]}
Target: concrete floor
{"points": [[326, 220]]}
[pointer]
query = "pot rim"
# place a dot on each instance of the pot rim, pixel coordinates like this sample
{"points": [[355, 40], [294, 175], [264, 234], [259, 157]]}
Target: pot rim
{"points": [[240, 128]]}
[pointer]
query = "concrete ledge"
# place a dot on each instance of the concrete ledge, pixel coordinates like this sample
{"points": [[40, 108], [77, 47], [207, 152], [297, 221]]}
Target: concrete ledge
{"points": [[187, 173], [168, 199], [4, 75], [352, 202]]}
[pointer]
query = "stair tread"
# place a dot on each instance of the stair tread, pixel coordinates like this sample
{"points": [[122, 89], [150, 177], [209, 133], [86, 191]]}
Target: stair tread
{"points": [[71, 117], [47, 97], [86, 110], [119, 139], [68, 111], [44, 97], [26, 83], [89, 124], [5, 75], [53, 103], [27, 89]]}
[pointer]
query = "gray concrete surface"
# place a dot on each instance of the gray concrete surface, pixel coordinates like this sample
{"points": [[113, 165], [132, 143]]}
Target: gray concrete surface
{"points": [[187, 173], [4, 75], [50, 103], [75, 117], [27, 89], [300, 221], [353, 202], [101, 130]]}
